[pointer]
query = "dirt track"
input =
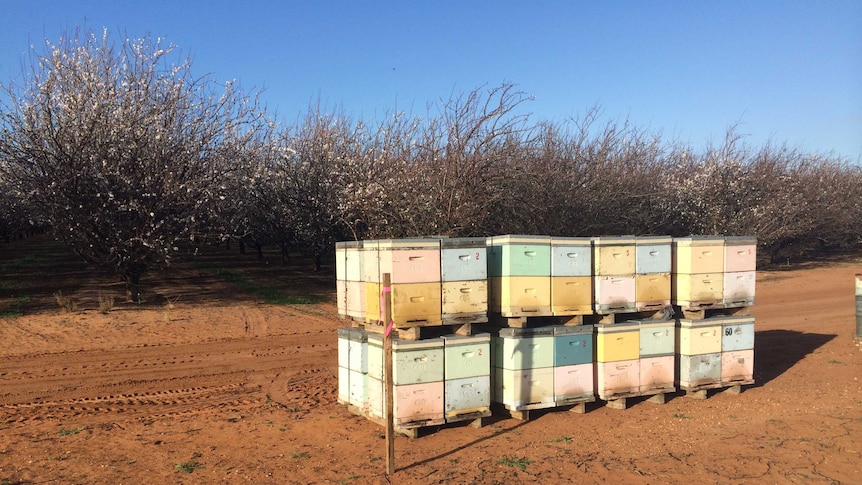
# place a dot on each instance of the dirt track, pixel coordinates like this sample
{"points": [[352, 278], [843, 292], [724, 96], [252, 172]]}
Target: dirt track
{"points": [[243, 392]]}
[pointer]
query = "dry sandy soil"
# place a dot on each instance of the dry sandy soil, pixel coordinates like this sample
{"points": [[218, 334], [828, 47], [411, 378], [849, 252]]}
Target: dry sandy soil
{"points": [[204, 383]]}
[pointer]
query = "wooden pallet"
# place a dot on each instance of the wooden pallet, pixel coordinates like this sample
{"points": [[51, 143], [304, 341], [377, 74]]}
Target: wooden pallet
{"points": [[656, 396], [464, 318], [410, 429], [498, 320], [703, 313], [730, 387], [664, 313], [477, 417]]}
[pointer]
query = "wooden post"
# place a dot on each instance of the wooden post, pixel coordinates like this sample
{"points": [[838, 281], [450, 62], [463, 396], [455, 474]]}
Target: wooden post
{"points": [[388, 381]]}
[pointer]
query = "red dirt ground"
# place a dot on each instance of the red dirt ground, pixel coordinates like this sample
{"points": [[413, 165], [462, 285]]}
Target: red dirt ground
{"points": [[205, 375]]}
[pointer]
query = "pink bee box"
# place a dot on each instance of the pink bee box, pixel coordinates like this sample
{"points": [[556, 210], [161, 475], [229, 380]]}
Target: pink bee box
{"points": [[617, 378], [739, 288], [419, 402], [615, 293], [740, 254], [737, 365], [657, 373], [573, 382], [410, 260]]}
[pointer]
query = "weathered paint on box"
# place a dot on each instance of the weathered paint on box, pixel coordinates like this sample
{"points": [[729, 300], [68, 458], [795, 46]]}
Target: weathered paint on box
{"points": [[375, 355], [740, 254], [737, 333], [571, 295], [652, 291], [617, 342], [416, 302], [571, 256], [343, 385], [520, 295], [657, 338], [416, 361], [357, 351], [466, 356], [574, 381], [374, 400], [522, 387], [418, 402], [370, 261], [573, 345], [657, 372], [615, 378], [699, 287], [523, 348], [465, 296], [372, 295], [699, 370], [653, 254], [614, 256], [410, 260], [357, 387], [341, 296], [463, 259], [738, 288], [614, 293], [344, 346], [737, 365], [348, 260], [698, 254], [698, 336], [515, 255], [354, 299], [467, 394]]}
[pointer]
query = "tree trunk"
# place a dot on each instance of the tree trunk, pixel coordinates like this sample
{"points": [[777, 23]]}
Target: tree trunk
{"points": [[133, 287]]}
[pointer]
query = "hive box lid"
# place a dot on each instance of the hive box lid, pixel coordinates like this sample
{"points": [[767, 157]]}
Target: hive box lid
{"points": [[614, 240], [689, 323], [466, 339], [699, 240], [656, 323], [572, 329], [571, 241], [740, 240], [357, 336], [732, 320], [617, 327], [526, 332], [462, 242], [650, 240], [517, 239], [413, 243], [348, 245], [345, 332], [431, 343]]}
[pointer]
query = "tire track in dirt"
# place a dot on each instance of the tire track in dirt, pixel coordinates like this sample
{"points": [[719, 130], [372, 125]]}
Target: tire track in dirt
{"points": [[156, 381]]}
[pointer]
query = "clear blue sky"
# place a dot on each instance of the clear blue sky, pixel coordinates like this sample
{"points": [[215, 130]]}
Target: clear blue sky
{"points": [[786, 70]]}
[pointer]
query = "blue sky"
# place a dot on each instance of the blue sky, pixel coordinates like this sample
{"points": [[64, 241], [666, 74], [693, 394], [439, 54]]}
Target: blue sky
{"points": [[789, 71]]}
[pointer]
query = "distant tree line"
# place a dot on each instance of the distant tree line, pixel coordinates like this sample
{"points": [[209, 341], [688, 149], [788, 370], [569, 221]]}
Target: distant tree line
{"points": [[129, 158]]}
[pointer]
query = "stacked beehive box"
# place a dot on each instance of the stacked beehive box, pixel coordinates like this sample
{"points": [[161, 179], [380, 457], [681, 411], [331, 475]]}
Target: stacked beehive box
{"points": [[519, 275], [467, 377], [614, 274], [523, 368], [653, 267], [714, 289], [350, 288], [464, 277], [352, 367], [657, 340], [571, 276], [618, 360]]}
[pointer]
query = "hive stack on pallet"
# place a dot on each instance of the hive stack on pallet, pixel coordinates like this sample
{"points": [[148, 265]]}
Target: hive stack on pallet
{"points": [[519, 276], [467, 376], [657, 360], [714, 288], [350, 288], [614, 275], [571, 276], [352, 367], [464, 276], [523, 368], [618, 361], [653, 265], [574, 369]]}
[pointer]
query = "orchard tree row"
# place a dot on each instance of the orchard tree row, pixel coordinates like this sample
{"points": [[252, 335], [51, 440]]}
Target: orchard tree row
{"points": [[128, 157]]}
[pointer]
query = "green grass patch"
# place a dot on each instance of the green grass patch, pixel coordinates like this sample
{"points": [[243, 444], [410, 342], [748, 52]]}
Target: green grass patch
{"points": [[561, 439], [298, 455], [189, 466], [680, 416], [516, 462], [14, 308], [69, 432]]}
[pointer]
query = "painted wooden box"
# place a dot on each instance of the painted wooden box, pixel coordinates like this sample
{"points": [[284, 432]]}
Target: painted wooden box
{"points": [[354, 299], [698, 289], [571, 256], [574, 383], [467, 395], [410, 260], [657, 337], [516, 296], [614, 256], [737, 333], [357, 351], [653, 254], [614, 294], [652, 291], [523, 348], [419, 404], [573, 345], [416, 361], [464, 297], [413, 361], [463, 259], [698, 254], [737, 365], [514, 255], [343, 385], [374, 399], [416, 304], [616, 379], [657, 374], [344, 346], [372, 295], [738, 288], [617, 342], [341, 296], [740, 254], [466, 356], [348, 260], [357, 388], [370, 265], [699, 370], [571, 295], [518, 388], [695, 337]]}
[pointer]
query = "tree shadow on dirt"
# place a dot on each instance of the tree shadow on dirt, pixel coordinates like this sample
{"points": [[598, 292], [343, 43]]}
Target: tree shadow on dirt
{"points": [[776, 351]]}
